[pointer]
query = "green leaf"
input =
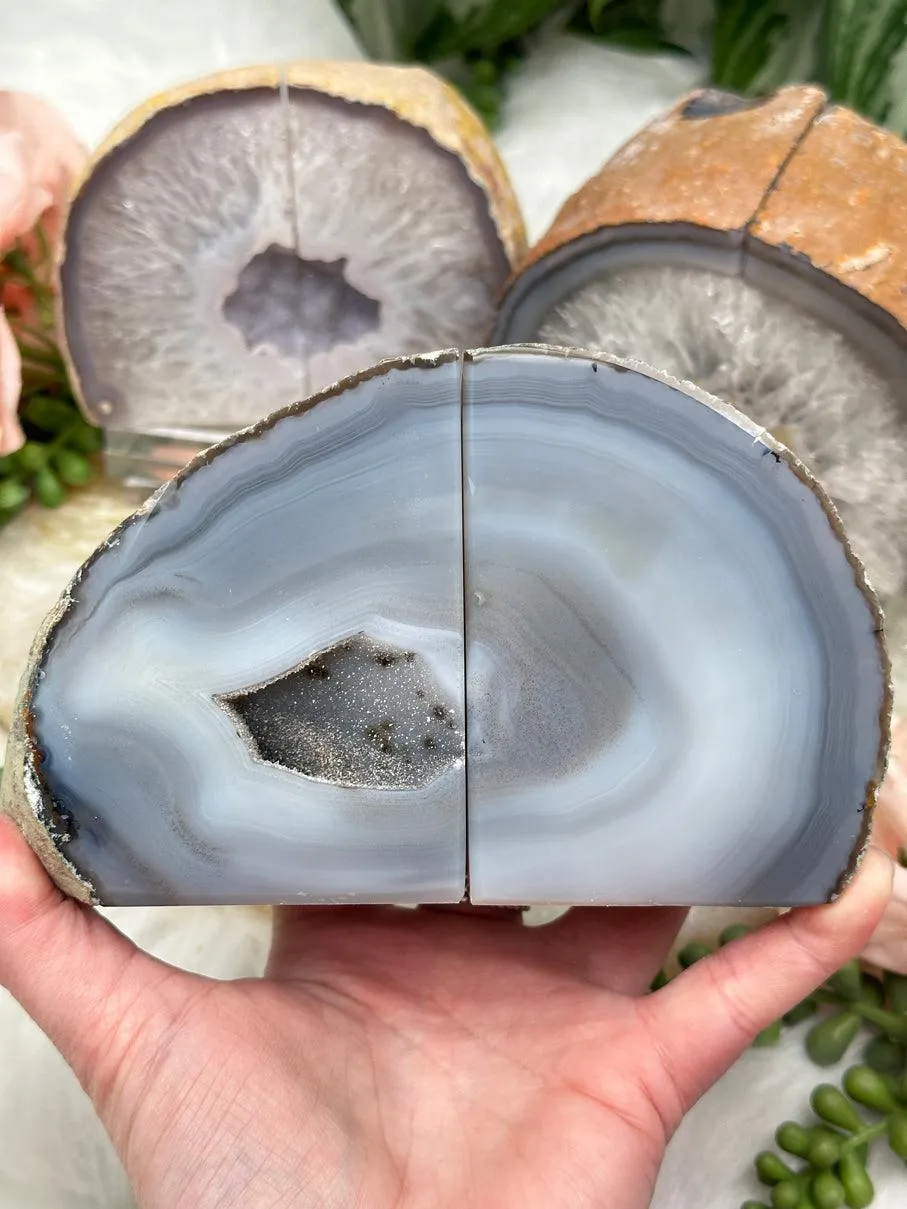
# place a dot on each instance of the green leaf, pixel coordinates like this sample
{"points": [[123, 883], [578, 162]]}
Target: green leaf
{"points": [[49, 491], [770, 1169], [830, 1103], [744, 36], [693, 952], [896, 118], [733, 932], [48, 413], [828, 1041], [485, 100], [896, 990], [87, 439], [793, 1138], [73, 468], [31, 457], [862, 41], [483, 27], [858, 1187], [635, 24], [868, 1087], [768, 1036], [596, 8], [13, 494], [846, 981], [688, 23], [390, 29], [801, 1011]]}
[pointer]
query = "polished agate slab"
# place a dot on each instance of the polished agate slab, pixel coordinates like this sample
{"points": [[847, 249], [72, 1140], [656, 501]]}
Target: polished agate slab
{"points": [[520, 625], [309, 533], [671, 676]]}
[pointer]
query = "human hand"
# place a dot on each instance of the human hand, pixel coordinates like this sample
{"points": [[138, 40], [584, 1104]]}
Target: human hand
{"points": [[394, 1059]]}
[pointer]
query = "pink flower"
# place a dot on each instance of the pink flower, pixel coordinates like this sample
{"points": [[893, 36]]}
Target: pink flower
{"points": [[39, 158], [888, 946], [11, 435]]}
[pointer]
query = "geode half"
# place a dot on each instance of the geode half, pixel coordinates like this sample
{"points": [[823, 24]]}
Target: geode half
{"points": [[519, 625]]}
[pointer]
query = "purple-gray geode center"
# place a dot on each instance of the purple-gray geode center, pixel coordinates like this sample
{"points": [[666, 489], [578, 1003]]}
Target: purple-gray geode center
{"points": [[298, 306]]}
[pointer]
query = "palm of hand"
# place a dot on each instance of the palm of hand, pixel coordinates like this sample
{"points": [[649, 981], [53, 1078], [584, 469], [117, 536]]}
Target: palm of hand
{"points": [[404, 1060], [398, 1060]]}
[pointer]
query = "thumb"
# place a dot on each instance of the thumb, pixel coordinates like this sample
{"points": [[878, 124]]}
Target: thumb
{"points": [[703, 1020], [94, 993]]}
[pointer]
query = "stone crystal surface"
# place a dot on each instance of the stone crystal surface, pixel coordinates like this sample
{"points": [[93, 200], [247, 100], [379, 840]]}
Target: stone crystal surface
{"points": [[249, 246], [672, 683], [787, 369], [339, 521], [523, 625], [338, 718]]}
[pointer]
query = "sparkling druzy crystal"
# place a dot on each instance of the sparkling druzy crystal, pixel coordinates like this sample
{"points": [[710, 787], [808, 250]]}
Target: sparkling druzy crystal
{"points": [[524, 625]]}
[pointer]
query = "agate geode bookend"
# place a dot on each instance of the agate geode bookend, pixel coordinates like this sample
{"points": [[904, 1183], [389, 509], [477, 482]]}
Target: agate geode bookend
{"points": [[250, 238], [520, 625], [756, 248]]}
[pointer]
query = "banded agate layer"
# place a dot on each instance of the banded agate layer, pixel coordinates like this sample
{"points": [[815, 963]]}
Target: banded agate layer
{"points": [[517, 626]]}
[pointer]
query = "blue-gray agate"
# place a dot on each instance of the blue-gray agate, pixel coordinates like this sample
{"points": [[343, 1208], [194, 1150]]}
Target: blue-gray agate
{"points": [[674, 688], [519, 625]]}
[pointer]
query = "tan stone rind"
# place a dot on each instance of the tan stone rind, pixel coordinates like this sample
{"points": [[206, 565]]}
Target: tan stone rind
{"points": [[842, 203], [708, 171], [416, 95]]}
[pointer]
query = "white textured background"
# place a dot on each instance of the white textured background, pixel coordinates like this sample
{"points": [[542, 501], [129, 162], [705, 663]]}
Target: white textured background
{"points": [[568, 109]]}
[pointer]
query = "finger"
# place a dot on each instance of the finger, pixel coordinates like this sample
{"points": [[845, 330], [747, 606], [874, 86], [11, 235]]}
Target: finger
{"points": [[621, 948], [710, 1013], [88, 987]]}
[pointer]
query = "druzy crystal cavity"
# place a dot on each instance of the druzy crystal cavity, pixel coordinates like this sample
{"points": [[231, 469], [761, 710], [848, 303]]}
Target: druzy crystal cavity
{"points": [[519, 626]]}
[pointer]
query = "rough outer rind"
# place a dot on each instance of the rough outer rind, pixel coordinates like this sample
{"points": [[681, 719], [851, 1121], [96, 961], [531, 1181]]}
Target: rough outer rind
{"points": [[841, 202], [25, 797], [414, 94], [710, 172], [816, 188]]}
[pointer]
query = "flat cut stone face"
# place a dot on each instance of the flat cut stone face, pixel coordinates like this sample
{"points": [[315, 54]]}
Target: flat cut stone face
{"points": [[341, 521], [523, 624], [662, 640], [244, 247]]}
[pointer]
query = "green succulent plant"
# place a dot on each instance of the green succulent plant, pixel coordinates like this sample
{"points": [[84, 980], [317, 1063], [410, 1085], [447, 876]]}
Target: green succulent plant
{"points": [[854, 48]]}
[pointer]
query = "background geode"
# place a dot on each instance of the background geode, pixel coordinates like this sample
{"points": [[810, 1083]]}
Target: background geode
{"points": [[247, 239], [755, 248]]}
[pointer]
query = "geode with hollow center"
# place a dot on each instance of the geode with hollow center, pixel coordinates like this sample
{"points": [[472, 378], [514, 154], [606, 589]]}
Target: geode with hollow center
{"points": [[521, 625], [756, 248], [247, 239]]}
